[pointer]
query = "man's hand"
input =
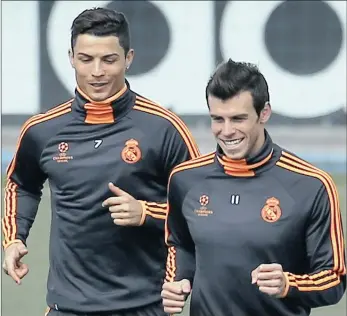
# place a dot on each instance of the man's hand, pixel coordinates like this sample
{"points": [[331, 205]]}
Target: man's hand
{"points": [[12, 262], [125, 210], [174, 295], [270, 279]]}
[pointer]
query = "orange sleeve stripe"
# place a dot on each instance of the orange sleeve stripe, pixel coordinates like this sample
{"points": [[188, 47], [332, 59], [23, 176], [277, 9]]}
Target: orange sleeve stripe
{"points": [[314, 285], [316, 288], [171, 265], [13, 211], [319, 275], [4, 229], [166, 228], [9, 221], [295, 164], [5, 219], [169, 274], [161, 205], [158, 210], [61, 110], [155, 215], [318, 278], [147, 106], [157, 207]]}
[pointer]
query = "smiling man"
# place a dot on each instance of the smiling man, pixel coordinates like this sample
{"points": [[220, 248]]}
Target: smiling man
{"points": [[106, 153], [252, 228]]}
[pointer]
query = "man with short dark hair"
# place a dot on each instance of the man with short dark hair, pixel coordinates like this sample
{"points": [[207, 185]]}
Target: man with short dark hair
{"points": [[106, 153], [252, 228]]}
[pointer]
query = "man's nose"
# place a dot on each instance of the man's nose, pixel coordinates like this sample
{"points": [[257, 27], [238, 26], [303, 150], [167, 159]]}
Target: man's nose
{"points": [[228, 129], [98, 70]]}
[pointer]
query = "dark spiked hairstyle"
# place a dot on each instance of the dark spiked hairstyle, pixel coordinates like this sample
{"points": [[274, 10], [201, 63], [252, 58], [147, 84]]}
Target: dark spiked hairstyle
{"points": [[101, 22], [232, 78]]}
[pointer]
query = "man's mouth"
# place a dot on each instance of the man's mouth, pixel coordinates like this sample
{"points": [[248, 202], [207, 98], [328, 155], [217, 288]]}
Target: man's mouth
{"points": [[98, 84], [233, 142]]}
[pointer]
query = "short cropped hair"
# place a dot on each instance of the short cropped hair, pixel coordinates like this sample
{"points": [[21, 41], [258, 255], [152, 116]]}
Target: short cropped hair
{"points": [[232, 78], [102, 22]]}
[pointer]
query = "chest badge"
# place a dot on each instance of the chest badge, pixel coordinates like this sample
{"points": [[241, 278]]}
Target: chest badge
{"points": [[131, 153], [63, 156], [271, 212], [203, 210]]}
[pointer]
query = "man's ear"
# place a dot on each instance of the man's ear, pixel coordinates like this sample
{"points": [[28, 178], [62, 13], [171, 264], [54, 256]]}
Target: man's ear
{"points": [[70, 53], [265, 113], [129, 58]]}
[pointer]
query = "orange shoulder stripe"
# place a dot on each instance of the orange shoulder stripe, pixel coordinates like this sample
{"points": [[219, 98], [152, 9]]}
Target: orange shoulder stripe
{"points": [[59, 106], [36, 117], [152, 108], [195, 160], [194, 163], [297, 165], [51, 114]]}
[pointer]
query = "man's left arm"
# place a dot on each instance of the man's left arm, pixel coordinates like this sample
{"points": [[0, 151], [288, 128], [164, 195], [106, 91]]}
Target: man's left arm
{"points": [[325, 248], [326, 253], [178, 146]]}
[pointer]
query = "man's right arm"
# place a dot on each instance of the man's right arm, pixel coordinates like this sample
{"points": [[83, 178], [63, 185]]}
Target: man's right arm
{"points": [[23, 190], [181, 249]]}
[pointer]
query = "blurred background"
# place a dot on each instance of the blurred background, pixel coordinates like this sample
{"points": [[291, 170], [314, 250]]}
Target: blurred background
{"points": [[300, 46]]}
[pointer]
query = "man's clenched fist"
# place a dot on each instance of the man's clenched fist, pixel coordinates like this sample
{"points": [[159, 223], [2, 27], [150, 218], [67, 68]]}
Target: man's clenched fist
{"points": [[270, 279], [174, 295]]}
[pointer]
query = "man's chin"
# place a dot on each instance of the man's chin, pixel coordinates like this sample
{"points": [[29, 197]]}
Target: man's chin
{"points": [[99, 96], [236, 154]]}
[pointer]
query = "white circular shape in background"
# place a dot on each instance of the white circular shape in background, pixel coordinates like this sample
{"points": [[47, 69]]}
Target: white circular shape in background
{"points": [[242, 39]]}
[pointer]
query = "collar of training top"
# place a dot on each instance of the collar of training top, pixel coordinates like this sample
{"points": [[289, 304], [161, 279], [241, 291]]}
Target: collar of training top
{"points": [[104, 112], [250, 166]]}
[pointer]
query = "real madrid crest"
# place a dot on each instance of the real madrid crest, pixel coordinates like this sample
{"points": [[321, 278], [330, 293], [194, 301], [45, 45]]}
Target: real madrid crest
{"points": [[131, 153], [271, 212]]}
